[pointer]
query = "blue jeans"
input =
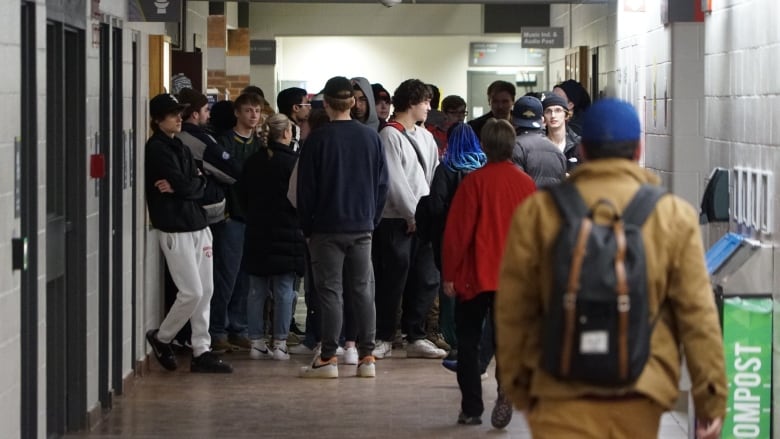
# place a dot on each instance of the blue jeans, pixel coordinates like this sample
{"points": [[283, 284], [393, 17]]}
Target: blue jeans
{"points": [[228, 248], [237, 308], [279, 286]]}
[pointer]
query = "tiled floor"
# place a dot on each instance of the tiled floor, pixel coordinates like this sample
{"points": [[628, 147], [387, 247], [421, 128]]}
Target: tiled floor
{"points": [[410, 398]]}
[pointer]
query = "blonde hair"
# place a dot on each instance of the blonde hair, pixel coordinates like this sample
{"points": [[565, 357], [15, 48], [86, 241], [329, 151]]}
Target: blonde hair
{"points": [[275, 126]]}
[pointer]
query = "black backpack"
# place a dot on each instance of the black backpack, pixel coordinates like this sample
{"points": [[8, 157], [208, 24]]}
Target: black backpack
{"points": [[598, 326]]}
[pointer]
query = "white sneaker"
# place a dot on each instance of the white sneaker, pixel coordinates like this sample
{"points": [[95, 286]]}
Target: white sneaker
{"points": [[367, 367], [320, 369], [424, 349], [260, 350], [301, 349], [383, 349], [350, 356], [280, 350], [339, 351]]}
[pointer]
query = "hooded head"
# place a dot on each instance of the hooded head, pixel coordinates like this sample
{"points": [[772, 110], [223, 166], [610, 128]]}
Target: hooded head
{"points": [[367, 116]]}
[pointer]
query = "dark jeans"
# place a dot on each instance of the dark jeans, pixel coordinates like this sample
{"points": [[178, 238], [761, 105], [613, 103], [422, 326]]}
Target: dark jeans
{"points": [[404, 268], [231, 285], [469, 321], [313, 313], [334, 255]]}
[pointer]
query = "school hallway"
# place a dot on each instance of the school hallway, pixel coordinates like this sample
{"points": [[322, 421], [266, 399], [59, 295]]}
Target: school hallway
{"points": [[409, 398]]}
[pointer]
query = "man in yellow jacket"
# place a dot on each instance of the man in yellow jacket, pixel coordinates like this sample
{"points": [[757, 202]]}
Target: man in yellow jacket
{"points": [[678, 288]]}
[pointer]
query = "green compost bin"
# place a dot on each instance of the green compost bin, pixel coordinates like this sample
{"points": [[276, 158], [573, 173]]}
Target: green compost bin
{"points": [[747, 340]]}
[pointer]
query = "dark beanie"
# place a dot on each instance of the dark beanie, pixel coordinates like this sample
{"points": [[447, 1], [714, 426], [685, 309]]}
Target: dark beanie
{"points": [[552, 100], [576, 94]]}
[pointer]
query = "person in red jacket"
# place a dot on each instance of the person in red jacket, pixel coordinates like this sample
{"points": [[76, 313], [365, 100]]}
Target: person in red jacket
{"points": [[473, 244]]}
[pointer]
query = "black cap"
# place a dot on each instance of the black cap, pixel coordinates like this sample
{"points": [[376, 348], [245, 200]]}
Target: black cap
{"points": [[527, 113], [338, 87], [164, 104]]}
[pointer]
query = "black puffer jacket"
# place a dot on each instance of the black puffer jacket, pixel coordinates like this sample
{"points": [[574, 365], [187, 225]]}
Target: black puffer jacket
{"points": [[572, 149], [168, 159], [273, 241]]}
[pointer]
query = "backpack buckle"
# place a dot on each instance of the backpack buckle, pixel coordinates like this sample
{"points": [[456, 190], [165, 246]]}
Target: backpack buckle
{"points": [[623, 303], [569, 300]]}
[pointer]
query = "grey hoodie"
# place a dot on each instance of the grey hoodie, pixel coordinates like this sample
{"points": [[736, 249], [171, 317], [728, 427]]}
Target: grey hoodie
{"points": [[365, 86]]}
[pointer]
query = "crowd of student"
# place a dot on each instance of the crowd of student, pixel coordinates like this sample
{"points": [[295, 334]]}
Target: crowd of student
{"points": [[397, 223]]}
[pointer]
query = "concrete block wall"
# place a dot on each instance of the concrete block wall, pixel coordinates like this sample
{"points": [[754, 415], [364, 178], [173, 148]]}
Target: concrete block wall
{"points": [[742, 90], [10, 294]]}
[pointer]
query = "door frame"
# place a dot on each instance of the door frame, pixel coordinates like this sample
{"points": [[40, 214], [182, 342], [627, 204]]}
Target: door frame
{"points": [[28, 201]]}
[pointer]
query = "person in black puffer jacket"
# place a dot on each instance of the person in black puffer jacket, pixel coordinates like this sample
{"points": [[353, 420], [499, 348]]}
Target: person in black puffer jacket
{"points": [[273, 242]]}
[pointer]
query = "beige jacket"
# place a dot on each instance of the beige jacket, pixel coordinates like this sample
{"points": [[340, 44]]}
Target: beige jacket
{"points": [[677, 277]]}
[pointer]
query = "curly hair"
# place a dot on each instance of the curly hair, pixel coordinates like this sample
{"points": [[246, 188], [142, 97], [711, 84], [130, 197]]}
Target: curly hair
{"points": [[410, 92]]}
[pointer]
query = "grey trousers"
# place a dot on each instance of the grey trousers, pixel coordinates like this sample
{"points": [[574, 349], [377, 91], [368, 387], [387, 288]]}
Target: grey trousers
{"points": [[334, 257]]}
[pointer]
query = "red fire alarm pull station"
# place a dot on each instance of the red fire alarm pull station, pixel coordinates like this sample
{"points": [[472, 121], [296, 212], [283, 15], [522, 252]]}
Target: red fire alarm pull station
{"points": [[97, 166]]}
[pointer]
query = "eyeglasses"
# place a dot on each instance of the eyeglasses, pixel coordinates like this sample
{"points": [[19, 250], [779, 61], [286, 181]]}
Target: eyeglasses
{"points": [[554, 110]]}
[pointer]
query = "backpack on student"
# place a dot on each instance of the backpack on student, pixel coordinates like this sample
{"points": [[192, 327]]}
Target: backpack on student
{"points": [[598, 326]]}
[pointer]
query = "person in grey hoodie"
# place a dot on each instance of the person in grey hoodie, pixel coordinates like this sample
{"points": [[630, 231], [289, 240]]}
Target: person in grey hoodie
{"points": [[364, 110]]}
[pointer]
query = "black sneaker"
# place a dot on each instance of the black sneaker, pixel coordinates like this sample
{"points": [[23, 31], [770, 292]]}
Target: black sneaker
{"points": [[469, 420], [162, 351], [294, 329], [209, 362]]}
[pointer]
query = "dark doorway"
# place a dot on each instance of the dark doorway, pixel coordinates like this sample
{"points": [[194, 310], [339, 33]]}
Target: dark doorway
{"points": [[27, 151], [65, 229], [119, 175], [132, 144], [104, 221]]}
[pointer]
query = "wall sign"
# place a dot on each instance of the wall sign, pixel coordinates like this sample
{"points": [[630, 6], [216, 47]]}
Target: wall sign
{"points": [[542, 37], [154, 10], [262, 52], [505, 55]]}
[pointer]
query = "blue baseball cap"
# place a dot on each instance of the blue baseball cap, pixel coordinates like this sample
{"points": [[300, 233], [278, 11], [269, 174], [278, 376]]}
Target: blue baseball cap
{"points": [[610, 120]]}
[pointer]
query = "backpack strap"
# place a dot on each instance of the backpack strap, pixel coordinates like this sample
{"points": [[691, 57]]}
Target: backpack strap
{"points": [[569, 201], [642, 205], [400, 127]]}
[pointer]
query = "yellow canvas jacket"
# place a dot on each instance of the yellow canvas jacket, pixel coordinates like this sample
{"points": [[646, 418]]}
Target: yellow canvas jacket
{"points": [[677, 278]]}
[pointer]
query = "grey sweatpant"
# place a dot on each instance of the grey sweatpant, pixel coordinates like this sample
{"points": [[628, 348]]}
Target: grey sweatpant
{"points": [[335, 256]]}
